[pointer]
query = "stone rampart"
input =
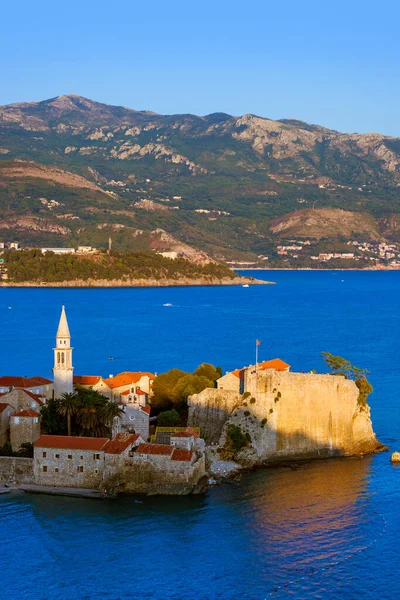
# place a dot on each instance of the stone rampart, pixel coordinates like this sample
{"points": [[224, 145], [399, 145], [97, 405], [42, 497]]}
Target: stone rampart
{"points": [[143, 476], [287, 415], [13, 468]]}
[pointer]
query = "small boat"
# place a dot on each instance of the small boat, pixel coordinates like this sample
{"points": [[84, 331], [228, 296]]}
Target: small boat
{"points": [[245, 285], [167, 304], [110, 358]]}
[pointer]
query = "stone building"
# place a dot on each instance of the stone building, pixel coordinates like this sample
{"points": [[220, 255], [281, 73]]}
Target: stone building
{"points": [[66, 461], [5, 411], [24, 428], [63, 369], [234, 380], [118, 450], [21, 399], [129, 380], [136, 415]]}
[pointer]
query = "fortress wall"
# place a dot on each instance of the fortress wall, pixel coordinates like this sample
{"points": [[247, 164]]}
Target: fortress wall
{"points": [[13, 468], [288, 415], [145, 476], [210, 410]]}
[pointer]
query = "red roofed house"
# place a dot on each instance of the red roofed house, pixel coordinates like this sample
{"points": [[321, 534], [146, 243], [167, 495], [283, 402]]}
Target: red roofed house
{"points": [[69, 461], [21, 399], [119, 449], [184, 440], [37, 385], [128, 381], [93, 382], [24, 428], [234, 380]]}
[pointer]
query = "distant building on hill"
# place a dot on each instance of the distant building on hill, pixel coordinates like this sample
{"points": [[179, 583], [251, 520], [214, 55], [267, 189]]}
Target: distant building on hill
{"points": [[58, 250]]}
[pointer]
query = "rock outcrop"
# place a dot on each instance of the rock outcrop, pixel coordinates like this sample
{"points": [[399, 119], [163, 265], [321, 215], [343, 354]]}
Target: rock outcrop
{"points": [[284, 416]]}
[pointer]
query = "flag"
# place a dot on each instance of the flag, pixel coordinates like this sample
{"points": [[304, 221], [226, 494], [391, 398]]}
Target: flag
{"points": [[258, 343]]}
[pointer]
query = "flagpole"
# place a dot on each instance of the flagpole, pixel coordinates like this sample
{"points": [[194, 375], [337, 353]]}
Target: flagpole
{"points": [[256, 355]]}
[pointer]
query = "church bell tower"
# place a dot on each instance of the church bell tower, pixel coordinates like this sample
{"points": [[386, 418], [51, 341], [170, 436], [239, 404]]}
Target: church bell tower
{"points": [[63, 369]]}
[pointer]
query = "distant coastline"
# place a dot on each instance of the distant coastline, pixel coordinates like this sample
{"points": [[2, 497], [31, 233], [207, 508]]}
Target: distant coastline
{"points": [[120, 283]]}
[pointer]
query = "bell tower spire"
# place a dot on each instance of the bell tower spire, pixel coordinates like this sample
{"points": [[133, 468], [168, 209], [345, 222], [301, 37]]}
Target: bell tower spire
{"points": [[63, 369]]}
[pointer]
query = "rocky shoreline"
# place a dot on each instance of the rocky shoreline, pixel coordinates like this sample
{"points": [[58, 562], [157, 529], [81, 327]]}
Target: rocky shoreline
{"points": [[129, 283]]}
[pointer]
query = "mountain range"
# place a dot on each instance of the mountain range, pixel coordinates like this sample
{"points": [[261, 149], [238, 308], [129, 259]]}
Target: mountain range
{"points": [[75, 171]]}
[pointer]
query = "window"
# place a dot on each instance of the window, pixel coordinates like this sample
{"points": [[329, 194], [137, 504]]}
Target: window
{"points": [[80, 469], [56, 456], [58, 358], [56, 470], [70, 456], [96, 456], [44, 454], [81, 457], [62, 358], [16, 420], [45, 469], [96, 470], [35, 420]]}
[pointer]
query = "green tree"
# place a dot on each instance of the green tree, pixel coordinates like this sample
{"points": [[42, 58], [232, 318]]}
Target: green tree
{"points": [[108, 412], [26, 450], [67, 406], [163, 387], [341, 366], [168, 418], [52, 422], [209, 371], [187, 385]]}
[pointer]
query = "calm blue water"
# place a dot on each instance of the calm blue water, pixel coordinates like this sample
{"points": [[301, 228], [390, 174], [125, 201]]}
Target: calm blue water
{"points": [[240, 540]]}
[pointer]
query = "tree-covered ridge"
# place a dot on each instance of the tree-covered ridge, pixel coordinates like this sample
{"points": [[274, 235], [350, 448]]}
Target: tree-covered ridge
{"points": [[33, 266]]}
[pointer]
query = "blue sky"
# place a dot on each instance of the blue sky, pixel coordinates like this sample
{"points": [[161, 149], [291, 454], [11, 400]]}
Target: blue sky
{"points": [[335, 63]]}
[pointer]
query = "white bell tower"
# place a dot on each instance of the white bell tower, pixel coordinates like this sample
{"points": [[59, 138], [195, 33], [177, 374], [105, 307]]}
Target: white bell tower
{"points": [[63, 369]]}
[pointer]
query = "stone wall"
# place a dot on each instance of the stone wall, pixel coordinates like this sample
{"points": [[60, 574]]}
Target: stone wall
{"points": [[288, 415], [144, 476], [210, 409], [16, 469]]}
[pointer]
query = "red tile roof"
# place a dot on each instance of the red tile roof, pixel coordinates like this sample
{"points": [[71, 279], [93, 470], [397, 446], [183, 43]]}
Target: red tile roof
{"points": [[26, 413], [120, 443], [184, 455], [182, 434], [237, 372], [126, 378], [138, 393], [71, 443], [86, 379], [276, 363], [162, 449], [41, 380], [21, 382], [3, 406], [146, 409]]}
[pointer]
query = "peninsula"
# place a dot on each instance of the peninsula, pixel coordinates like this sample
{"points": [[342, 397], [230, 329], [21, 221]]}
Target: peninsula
{"points": [[51, 268], [94, 433]]}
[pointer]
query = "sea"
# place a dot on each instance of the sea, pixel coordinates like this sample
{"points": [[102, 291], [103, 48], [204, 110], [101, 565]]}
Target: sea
{"points": [[327, 530]]}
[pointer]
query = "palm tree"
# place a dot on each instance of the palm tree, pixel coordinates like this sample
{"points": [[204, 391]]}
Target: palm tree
{"points": [[67, 406], [108, 412]]}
